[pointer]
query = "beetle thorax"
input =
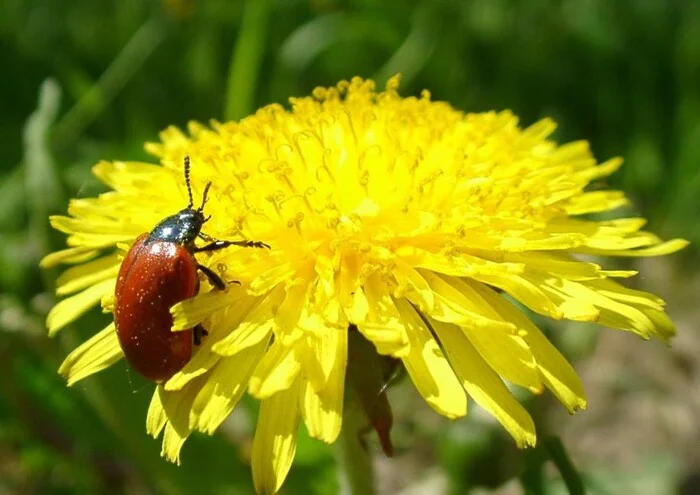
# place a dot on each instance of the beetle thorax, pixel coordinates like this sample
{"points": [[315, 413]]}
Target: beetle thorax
{"points": [[181, 228]]}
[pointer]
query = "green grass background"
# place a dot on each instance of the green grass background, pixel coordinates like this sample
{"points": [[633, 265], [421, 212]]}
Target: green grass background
{"points": [[623, 74]]}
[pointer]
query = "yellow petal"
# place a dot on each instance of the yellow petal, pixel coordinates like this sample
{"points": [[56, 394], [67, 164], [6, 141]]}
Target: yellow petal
{"points": [[505, 351], [97, 353], [626, 295], [557, 373], [577, 153], [661, 249], [275, 442], [122, 175], [625, 225], [436, 263], [509, 355], [563, 264], [664, 328], [539, 130], [173, 440], [383, 324], [576, 309], [177, 406], [642, 321], [614, 241], [359, 307], [224, 388], [649, 305], [421, 293], [484, 385], [71, 308], [254, 327], [83, 276], [201, 362], [452, 306], [219, 325], [276, 371], [547, 239], [428, 368], [348, 281], [321, 354], [522, 289], [156, 417], [619, 273], [79, 254], [188, 313], [603, 170], [95, 232], [288, 313], [595, 201], [274, 276], [322, 409]]}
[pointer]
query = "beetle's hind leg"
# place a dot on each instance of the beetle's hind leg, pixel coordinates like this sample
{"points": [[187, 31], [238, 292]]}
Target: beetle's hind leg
{"points": [[199, 333], [214, 279]]}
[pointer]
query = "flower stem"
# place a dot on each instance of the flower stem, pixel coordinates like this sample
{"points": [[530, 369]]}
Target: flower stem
{"points": [[355, 462]]}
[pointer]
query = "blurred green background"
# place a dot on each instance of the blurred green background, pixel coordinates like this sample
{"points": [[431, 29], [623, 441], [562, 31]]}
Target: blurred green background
{"points": [[623, 74]]}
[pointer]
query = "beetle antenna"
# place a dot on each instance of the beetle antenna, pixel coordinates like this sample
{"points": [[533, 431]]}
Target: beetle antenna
{"points": [[187, 181], [204, 196]]}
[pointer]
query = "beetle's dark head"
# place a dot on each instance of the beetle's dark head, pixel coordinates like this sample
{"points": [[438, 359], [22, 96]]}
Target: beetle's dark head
{"points": [[183, 227]]}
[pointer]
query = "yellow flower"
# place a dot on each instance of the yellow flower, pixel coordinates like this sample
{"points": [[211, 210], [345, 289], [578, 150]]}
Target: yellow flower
{"points": [[401, 216]]}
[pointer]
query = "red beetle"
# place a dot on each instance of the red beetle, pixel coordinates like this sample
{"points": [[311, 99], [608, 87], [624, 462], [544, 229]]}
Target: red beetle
{"points": [[159, 271]]}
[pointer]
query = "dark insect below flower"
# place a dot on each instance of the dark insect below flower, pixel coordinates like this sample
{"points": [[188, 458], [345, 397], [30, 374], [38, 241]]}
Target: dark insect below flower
{"points": [[369, 375]]}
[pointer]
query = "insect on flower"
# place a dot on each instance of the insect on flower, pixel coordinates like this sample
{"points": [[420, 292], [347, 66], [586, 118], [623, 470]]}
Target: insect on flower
{"points": [[159, 271]]}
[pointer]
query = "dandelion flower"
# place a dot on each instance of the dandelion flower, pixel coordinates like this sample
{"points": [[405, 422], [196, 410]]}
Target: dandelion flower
{"points": [[401, 218]]}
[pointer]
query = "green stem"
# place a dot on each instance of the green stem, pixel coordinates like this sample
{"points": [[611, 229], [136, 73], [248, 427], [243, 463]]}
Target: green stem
{"points": [[570, 475], [355, 463], [246, 59]]}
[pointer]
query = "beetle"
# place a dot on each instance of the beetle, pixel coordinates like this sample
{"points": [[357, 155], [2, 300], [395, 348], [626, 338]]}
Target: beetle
{"points": [[160, 270]]}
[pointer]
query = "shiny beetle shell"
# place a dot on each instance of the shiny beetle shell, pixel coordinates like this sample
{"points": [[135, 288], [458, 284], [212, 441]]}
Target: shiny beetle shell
{"points": [[154, 276]]}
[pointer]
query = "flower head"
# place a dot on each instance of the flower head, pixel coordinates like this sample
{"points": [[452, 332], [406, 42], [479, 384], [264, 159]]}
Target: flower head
{"points": [[401, 218]]}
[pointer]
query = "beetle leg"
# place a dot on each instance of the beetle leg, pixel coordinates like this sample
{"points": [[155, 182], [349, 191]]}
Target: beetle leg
{"points": [[214, 279], [199, 333], [216, 245]]}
